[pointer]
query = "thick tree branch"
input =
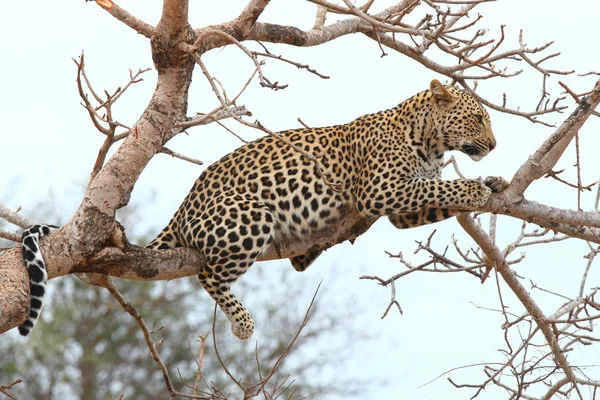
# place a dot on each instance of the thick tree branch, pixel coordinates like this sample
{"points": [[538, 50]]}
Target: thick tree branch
{"points": [[13, 237], [544, 159], [174, 16], [122, 260], [267, 32], [246, 20], [541, 214], [132, 262]]}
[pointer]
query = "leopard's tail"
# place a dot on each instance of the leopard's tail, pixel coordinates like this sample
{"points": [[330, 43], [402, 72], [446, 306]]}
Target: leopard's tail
{"points": [[36, 268]]}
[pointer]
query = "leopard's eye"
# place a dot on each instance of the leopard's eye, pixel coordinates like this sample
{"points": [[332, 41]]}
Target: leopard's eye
{"points": [[479, 118]]}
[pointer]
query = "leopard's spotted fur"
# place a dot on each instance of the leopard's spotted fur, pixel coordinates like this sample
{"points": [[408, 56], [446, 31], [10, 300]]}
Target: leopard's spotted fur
{"points": [[36, 268], [389, 164]]}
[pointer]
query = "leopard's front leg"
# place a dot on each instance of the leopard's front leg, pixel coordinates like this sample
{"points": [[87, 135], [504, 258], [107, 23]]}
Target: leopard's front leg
{"points": [[415, 195], [430, 215]]}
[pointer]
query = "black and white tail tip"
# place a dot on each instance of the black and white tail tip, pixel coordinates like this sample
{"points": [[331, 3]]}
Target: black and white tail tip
{"points": [[36, 267]]}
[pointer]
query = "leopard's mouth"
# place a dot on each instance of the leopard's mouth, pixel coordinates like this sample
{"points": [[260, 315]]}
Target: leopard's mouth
{"points": [[473, 152]]}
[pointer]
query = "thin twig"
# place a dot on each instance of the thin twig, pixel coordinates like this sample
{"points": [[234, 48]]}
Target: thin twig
{"points": [[5, 388], [172, 153]]}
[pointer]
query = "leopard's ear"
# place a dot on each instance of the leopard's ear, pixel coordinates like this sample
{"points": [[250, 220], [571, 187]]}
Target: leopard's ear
{"points": [[440, 96]]}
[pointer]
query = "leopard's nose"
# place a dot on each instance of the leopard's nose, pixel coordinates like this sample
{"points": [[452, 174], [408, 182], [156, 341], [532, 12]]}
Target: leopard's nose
{"points": [[492, 145]]}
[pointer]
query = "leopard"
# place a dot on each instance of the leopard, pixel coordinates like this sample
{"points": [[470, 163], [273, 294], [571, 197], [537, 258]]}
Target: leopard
{"points": [[388, 163]]}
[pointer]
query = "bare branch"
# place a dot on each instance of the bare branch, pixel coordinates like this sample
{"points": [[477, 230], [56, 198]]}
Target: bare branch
{"points": [[320, 18], [296, 64], [5, 388], [208, 32], [494, 254], [202, 341], [13, 237], [260, 386], [393, 301], [107, 104], [110, 286], [14, 218], [247, 18], [122, 15], [170, 152], [544, 159], [214, 115]]}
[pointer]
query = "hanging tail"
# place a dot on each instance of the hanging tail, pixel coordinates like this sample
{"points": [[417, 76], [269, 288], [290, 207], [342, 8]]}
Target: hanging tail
{"points": [[36, 268]]}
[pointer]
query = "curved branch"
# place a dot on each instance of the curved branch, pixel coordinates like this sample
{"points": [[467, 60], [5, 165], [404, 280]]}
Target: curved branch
{"points": [[267, 32]]}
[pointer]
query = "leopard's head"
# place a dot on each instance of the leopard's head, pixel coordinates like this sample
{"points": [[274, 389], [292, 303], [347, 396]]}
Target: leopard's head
{"points": [[462, 121]]}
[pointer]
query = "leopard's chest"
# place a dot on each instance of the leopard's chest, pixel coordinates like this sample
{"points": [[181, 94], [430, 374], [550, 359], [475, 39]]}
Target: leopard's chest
{"points": [[428, 166]]}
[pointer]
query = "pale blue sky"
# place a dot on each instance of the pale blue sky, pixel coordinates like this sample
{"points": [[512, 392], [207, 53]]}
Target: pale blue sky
{"points": [[48, 143]]}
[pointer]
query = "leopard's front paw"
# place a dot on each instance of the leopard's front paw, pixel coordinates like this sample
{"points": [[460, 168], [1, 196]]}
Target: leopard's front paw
{"points": [[496, 183], [478, 194]]}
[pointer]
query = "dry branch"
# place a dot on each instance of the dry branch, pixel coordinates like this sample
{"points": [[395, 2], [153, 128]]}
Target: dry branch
{"points": [[5, 388], [215, 115], [183, 157], [14, 218], [122, 15], [13, 237], [544, 159], [495, 255]]}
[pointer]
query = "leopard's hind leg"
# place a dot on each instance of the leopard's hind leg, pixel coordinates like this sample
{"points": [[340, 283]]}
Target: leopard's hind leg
{"points": [[232, 233]]}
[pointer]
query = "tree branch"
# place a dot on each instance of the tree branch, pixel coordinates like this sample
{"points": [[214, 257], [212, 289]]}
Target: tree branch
{"points": [[124, 16], [174, 16], [14, 218], [120, 259], [247, 18], [544, 159], [495, 255]]}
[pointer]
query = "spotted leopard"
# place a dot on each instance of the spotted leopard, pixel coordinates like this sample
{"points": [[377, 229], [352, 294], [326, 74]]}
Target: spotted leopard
{"points": [[389, 164]]}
